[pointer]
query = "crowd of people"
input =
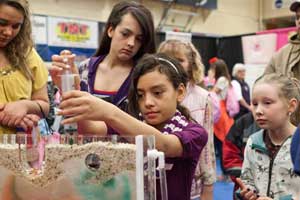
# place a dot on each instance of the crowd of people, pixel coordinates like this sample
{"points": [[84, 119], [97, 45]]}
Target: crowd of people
{"points": [[190, 115]]}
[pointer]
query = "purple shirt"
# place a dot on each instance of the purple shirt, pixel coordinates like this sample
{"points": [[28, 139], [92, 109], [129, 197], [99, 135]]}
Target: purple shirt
{"points": [[88, 75], [179, 179]]}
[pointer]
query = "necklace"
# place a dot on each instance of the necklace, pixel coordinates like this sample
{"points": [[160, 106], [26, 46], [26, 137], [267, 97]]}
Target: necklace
{"points": [[5, 71]]}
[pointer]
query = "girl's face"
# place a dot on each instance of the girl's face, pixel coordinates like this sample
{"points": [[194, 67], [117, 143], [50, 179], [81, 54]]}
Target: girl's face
{"points": [[182, 58], [125, 38], [270, 111], [157, 98], [11, 21]]}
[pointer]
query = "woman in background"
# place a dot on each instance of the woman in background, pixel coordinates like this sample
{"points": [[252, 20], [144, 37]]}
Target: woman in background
{"points": [[241, 88]]}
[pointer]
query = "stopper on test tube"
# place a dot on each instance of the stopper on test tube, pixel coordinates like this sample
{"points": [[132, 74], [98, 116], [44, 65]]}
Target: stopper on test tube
{"points": [[67, 70]]}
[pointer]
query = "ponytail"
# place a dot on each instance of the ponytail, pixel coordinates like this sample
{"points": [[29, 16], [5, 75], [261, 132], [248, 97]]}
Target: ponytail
{"points": [[185, 112]]}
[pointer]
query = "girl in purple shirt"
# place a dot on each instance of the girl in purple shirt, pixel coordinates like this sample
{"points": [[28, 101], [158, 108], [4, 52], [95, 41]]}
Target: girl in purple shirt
{"points": [[157, 88], [128, 34]]}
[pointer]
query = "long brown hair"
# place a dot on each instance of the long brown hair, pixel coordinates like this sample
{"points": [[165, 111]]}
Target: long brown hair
{"points": [[19, 48], [143, 17], [221, 69]]}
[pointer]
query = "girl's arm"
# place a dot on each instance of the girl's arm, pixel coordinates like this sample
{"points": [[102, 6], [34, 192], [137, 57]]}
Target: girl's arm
{"points": [[84, 106], [207, 161], [92, 127], [207, 192], [41, 97], [220, 85], [13, 114], [127, 125]]}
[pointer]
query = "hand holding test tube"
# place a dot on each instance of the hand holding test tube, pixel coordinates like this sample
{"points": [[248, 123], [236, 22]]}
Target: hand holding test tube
{"points": [[68, 84]]}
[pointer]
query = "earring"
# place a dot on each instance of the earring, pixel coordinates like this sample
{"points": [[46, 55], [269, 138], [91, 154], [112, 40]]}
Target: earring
{"points": [[289, 113]]}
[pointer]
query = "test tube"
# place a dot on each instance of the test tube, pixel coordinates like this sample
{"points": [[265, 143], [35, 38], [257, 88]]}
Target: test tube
{"points": [[68, 84]]}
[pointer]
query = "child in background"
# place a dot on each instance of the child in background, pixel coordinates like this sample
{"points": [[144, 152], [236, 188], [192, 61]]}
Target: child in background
{"points": [[222, 126], [267, 171], [157, 103], [223, 82], [209, 80], [198, 102]]}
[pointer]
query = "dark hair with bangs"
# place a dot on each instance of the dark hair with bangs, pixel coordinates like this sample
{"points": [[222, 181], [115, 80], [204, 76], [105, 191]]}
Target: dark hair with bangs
{"points": [[163, 64], [143, 17]]}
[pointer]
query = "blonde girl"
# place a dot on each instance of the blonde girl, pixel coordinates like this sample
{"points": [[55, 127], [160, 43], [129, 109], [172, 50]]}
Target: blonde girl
{"points": [[267, 171], [198, 101], [23, 75]]}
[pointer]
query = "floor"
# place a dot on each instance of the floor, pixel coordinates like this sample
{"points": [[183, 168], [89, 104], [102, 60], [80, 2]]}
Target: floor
{"points": [[222, 189]]}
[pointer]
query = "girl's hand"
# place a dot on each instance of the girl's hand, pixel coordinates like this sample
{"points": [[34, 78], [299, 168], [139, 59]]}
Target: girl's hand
{"points": [[2, 105], [12, 114], [78, 106], [59, 65], [246, 193], [207, 192], [29, 121]]}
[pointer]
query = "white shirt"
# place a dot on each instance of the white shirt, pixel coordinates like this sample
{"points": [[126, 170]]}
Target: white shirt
{"points": [[222, 84], [237, 89]]}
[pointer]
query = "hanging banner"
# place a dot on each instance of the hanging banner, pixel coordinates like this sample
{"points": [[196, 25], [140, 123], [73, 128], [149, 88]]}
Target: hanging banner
{"points": [[185, 37], [258, 49], [283, 35], [254, 71], [65, 32], [39, 29]]}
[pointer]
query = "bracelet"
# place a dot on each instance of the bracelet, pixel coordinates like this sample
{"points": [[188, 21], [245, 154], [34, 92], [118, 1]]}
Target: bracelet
{"points": [[41, 109]]}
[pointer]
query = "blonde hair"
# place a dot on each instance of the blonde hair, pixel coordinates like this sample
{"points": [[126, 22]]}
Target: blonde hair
{"points": [[174, 47], [18, 49], [288, 89]]}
